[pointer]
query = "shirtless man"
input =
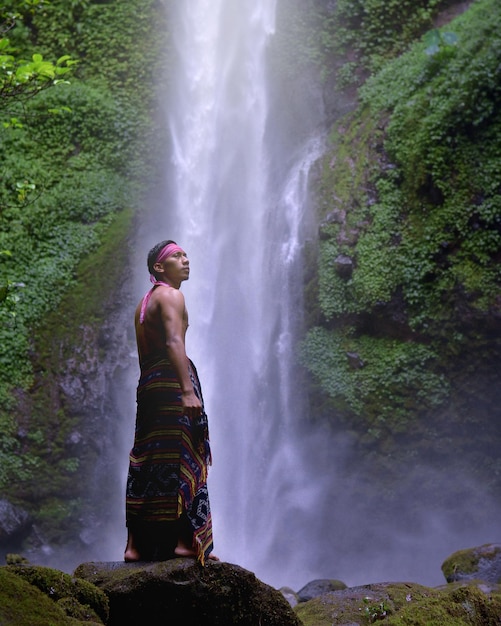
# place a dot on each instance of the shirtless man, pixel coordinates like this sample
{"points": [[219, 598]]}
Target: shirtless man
{"points": [[168, 463]]}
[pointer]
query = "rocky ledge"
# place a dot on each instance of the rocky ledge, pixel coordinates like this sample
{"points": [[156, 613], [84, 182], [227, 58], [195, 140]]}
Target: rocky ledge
{"points": [[181, 591]]}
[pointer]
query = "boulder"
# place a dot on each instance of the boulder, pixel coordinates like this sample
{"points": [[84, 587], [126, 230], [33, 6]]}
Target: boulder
{"points": [[480, 563], [403, 603], [319, 587], [38, 596], [343, 265], [181, 591]]}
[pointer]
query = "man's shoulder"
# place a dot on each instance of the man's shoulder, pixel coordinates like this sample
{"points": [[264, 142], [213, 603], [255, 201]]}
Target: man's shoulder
{"points": [[165, 294]]}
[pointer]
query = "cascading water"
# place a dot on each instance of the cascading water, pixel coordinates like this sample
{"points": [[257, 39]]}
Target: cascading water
{"points": [[242, 225]]}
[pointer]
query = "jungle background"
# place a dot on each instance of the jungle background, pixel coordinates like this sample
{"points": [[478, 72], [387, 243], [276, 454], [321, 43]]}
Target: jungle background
{"points": [[401, 342]]}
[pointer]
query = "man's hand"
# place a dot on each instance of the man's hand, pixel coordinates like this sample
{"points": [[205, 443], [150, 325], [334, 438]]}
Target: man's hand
{"points": [[192, 407]]}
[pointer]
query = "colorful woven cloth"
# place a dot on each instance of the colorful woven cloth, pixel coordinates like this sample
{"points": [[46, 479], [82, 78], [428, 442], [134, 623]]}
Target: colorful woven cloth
{"points": [[168, 463]]}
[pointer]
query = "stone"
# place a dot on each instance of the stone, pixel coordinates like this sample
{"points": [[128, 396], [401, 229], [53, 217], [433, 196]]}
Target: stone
{"points": [[215, 594], [318, 587], [343, 265], [480, 563], [355, 360], [290, 595], [14, 521]]}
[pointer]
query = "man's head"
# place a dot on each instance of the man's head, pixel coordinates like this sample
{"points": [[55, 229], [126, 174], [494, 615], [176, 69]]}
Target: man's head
{"points": [[168, 263], [154, 253]]}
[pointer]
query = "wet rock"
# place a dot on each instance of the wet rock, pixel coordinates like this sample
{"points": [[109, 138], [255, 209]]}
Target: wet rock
{"points": [[343, 265], [480, 563], [219, 593], [14, 522], [290, 595], [354, 360], [337, 216], [318, 587]]}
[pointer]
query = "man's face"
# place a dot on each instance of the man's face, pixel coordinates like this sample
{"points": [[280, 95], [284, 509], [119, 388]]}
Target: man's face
{"points": [[174, 269]]}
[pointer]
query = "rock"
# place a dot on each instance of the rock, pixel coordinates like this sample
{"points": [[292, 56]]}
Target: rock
{"points": [[37, 596], [318, 587], [215, 595], [480, 563], [403, 603], [290, 595], [343, 265], [14, 522], [355, 361]]}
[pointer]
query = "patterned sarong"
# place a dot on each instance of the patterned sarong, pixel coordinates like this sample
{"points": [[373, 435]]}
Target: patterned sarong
{"points": [[168, 463]]}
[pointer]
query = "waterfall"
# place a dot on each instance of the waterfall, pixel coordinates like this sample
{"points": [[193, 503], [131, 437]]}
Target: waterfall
{"points": [[241, 217]]}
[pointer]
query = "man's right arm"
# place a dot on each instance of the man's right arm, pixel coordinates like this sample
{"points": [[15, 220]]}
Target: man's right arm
{"points": [[172, 309]]}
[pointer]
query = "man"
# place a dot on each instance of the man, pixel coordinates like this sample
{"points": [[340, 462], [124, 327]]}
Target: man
{"points": [[167, 504]]}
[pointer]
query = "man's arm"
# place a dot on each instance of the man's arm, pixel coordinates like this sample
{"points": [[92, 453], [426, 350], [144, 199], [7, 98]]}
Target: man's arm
{"points": [[172, 309]]}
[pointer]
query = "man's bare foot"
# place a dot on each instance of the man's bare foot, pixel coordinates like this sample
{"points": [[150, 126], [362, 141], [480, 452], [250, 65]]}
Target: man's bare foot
{"points": [[131, 555], [185, 552], [182, 550]]}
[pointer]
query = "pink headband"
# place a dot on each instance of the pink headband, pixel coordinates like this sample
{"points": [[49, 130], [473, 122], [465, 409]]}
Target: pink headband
{"points": [[169, 250], [165, 253]]}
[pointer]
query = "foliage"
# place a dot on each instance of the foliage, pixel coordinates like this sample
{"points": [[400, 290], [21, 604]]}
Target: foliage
{"points": [[74, 160], [376, 381], [365, 35], [375, 611], [21, 79]]}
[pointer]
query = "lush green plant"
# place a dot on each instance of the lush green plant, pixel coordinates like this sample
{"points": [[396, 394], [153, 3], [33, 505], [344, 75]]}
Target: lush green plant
{"points": [[377, 381], [374, 611]]}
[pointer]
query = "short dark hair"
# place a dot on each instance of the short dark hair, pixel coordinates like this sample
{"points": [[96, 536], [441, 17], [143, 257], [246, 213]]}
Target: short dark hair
{"points": [[154, 252]]}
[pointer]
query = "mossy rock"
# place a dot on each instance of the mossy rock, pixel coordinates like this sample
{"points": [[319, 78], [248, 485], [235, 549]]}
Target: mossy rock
{"points": [[480, 563], [23, 604], [403, 604], [318, 587], [76, 598], [181, 589]]}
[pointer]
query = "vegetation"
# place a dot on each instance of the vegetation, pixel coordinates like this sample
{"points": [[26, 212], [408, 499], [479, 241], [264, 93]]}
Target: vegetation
{"points": [[351, 39], [410, 236], [75, 157]]}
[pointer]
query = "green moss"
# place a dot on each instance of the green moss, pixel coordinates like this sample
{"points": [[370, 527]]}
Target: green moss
{"points": [[78, 598], [466, 561], [466, 606], [22, 604]]}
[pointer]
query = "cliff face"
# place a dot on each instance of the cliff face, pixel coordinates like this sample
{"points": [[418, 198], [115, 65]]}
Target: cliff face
{"points": [[404, 309], [80, 404]]}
